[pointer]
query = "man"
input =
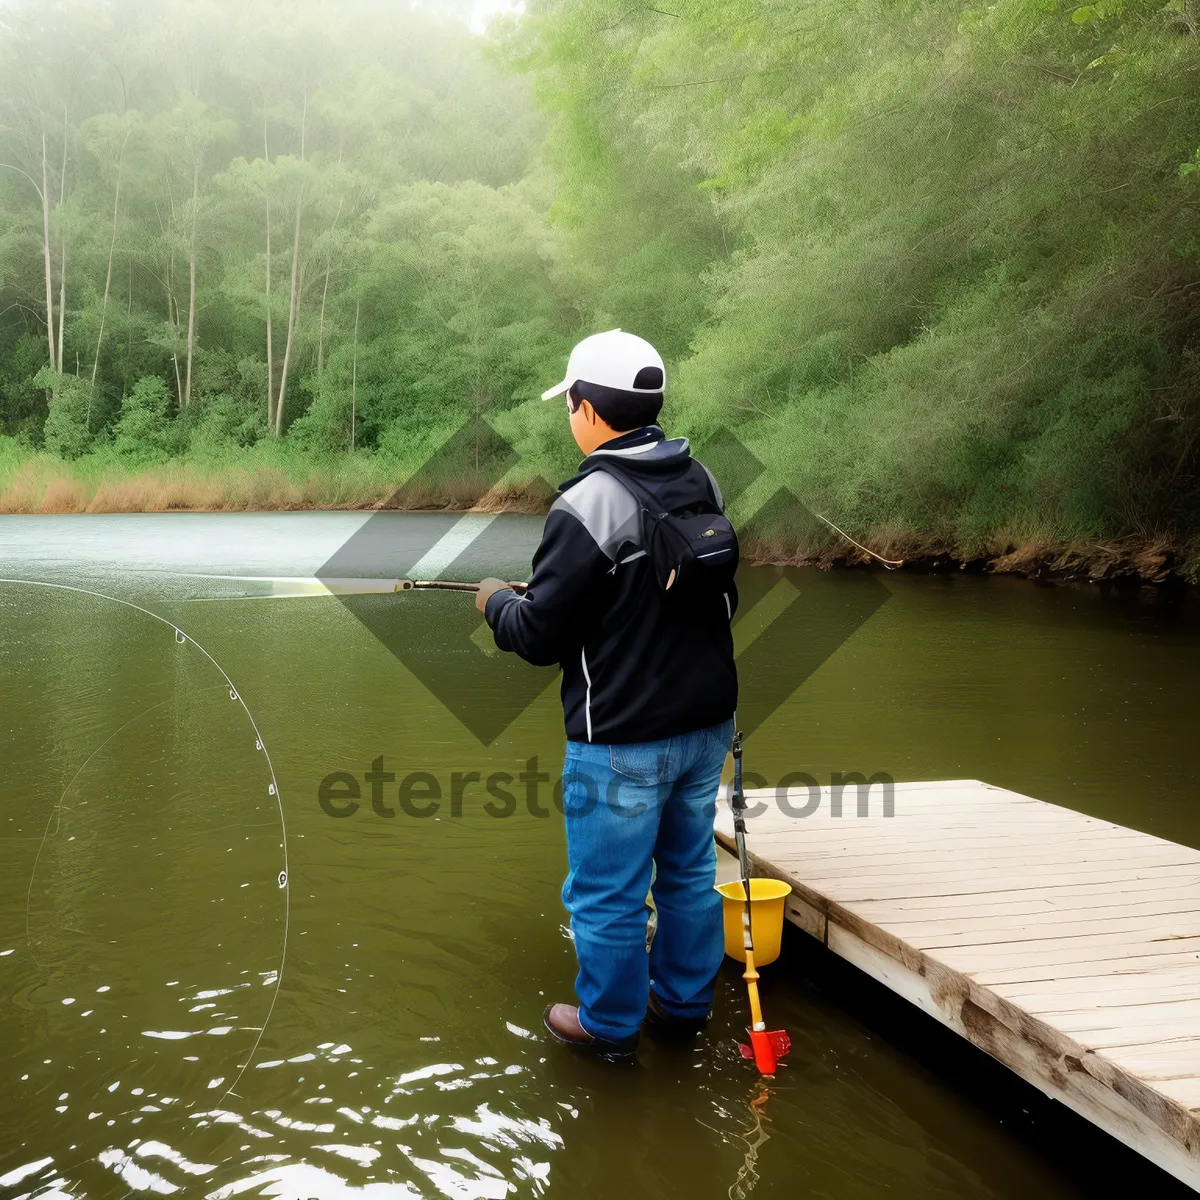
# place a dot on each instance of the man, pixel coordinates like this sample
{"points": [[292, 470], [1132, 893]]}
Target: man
{"points": [[649, 689]]}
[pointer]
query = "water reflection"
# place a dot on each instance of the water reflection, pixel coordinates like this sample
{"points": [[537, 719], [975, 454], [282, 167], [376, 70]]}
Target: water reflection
{"points": [[142, 925]]}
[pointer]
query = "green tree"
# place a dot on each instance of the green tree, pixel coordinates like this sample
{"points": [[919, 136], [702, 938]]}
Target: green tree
{"points": [[144, 428], [66, 431]]}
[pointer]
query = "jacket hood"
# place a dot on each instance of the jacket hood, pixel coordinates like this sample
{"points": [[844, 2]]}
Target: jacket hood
{"points": [[645, 451]]}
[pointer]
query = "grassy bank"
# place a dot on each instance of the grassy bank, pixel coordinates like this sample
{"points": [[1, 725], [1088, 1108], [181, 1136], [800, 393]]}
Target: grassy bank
{"points": [[42, 483], [1151, 560], [267, 476], [272, 477]]}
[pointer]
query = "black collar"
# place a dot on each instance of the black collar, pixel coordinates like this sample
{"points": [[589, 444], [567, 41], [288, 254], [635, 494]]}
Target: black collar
{"points": [[635, 437]]}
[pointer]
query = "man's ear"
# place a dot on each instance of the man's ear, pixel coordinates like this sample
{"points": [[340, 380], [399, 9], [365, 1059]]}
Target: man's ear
{"points": [[589, 413]]}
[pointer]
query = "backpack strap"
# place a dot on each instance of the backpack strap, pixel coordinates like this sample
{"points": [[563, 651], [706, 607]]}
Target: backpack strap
{"points": [[643, 495], [645, 498]]}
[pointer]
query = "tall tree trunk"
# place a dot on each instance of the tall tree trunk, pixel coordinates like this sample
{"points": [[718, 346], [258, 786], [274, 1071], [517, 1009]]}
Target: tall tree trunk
{"points": [[128, 335], [46, 255], [112, 245], [62, 279], [293, 313], [173, 312], [191, 333], [294, 300], [173, 317], [325, 295], [62, 300], [270, 349]]}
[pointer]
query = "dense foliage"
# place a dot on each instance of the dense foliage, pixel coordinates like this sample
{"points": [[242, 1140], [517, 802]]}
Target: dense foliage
{"points": [[936, 265], [315, 222], [955, 287]]}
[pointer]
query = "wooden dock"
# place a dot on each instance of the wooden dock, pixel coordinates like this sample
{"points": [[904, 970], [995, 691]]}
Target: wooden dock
{"points": [[1066, 947]]}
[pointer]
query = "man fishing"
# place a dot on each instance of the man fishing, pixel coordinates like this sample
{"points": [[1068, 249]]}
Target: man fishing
{"points": [[632, 595]]}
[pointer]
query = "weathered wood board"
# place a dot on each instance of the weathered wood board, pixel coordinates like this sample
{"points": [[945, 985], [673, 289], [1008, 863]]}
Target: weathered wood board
{"points": [[1066, 947]]}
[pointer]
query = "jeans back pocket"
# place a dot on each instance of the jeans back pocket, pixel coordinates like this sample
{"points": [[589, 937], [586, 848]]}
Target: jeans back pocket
{"points": [[640, 763]]}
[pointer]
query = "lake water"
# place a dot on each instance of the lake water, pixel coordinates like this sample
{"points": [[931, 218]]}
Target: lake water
{"points": [[159, 870]]}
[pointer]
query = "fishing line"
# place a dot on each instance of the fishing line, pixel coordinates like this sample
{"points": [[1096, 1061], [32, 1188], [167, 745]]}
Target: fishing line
{"points": [[283, 879], [887, 562]]}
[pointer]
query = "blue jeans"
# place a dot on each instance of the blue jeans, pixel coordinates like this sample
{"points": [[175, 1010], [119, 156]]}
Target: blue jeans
{"points": [[630, 810]]}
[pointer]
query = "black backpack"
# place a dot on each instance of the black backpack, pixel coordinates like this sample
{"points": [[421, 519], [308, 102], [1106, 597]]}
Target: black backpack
{"points": [[693, 549]]}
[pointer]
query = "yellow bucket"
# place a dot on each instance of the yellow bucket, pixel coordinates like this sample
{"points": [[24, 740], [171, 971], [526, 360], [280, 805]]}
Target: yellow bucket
{"points": [[767, 897]]}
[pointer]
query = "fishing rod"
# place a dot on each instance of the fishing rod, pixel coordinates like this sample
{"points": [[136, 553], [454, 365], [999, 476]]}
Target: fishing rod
{"points": [[767, 1046], [447, 585], [284, 587]]}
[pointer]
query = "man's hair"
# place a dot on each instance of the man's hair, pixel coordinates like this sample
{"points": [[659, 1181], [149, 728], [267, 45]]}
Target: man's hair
{"points": [[620, 410]]}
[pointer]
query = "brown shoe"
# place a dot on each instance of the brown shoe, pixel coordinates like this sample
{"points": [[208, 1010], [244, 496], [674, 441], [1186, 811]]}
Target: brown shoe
{"points": [[562, 1021], [667, 1028]]}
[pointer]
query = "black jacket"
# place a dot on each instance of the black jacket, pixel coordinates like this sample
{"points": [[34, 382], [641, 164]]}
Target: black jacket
{"points": [[637, 664]]}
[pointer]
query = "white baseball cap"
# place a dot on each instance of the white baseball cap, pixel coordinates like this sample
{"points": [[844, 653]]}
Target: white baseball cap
{"points": [[614, 359]]}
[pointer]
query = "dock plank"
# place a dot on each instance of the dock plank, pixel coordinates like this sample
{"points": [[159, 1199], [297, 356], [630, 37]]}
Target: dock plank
{"points": [[1066, 946]]}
